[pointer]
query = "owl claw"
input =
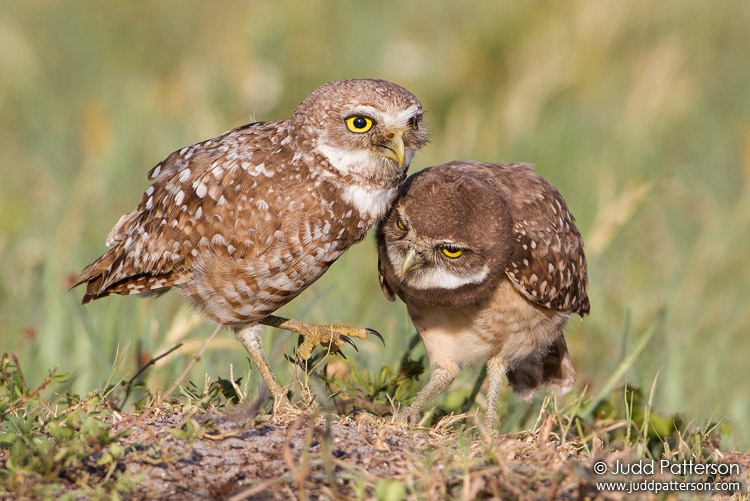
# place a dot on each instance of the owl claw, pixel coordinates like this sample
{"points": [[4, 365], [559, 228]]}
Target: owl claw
{"points": [[341, 354], [348, 340], [375, 333], [324, 335]]}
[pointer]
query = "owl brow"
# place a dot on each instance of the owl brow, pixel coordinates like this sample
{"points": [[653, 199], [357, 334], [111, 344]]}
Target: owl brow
{"points": [[364, 110], [401, 116], [451, 243], [412, 112]]}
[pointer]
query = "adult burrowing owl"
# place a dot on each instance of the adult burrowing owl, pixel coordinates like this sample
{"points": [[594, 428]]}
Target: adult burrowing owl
{"points": [[490, 265], [243, 223]]}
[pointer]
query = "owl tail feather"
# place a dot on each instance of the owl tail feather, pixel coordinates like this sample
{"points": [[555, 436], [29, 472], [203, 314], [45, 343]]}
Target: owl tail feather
{"points": [[94, 276], [101, 281], [553, 369]]}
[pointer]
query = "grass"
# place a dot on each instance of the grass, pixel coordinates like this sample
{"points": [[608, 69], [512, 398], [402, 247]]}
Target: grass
{"points": [[636, 112], [68, 445]]}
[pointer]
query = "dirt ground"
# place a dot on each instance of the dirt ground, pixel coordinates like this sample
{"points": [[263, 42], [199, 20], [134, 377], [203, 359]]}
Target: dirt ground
{"points": [[228, 456]]}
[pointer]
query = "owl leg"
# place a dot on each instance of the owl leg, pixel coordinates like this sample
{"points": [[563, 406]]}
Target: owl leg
{"points": [[332, 336], [250, 338], [496, 368], [441, 378]]}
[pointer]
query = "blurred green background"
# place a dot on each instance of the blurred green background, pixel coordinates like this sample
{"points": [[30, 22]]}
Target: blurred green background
{"points": [[638, 111]]}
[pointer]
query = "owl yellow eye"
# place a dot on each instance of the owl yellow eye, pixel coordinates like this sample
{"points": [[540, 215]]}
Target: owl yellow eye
{"points": [[452, 251], [359, 124], [400, 223], [414, 122]]}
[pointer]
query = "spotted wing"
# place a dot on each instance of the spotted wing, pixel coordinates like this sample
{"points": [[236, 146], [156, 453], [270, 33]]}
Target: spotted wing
{"points": [[547, 264], [212, 194]]}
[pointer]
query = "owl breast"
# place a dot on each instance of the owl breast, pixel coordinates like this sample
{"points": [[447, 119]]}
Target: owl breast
{"points": [[450, 337], [504, 324]]}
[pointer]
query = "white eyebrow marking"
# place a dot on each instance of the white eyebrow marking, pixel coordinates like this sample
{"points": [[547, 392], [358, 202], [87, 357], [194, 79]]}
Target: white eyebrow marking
{"points": [[364, 110], [402, 116], [405, 115]]}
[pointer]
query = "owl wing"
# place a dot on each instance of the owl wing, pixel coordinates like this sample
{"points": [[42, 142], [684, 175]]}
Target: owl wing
{"points": [[547, 263], [212, 194], [384, 286]]}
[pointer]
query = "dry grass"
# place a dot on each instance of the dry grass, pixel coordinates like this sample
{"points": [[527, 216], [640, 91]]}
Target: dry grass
{"points": [[200, 444]]}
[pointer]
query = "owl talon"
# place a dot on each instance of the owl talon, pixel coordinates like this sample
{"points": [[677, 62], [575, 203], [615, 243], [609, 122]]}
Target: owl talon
{"points": [[406, 420], [330, 336], [375, 333], [347, 339]]}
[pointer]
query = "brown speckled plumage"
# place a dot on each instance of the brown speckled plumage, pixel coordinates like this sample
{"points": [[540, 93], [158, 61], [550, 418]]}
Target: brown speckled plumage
{"points": [[490, 264], [244, 222]]}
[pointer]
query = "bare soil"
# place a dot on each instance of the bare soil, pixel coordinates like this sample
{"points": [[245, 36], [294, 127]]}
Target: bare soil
{"points": [[236, 456]]}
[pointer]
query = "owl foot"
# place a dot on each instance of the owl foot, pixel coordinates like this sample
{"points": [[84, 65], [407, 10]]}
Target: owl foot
{"points": [[407, 419], [332, 336], [282, 405]]}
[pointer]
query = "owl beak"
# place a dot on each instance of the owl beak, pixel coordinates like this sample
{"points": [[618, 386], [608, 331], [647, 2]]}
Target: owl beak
{"points": [[412, 261], [393, 146]]}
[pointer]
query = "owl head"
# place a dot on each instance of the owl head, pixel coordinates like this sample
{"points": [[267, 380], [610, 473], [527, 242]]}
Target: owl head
{"points": [[444, 240], [367, 129]]}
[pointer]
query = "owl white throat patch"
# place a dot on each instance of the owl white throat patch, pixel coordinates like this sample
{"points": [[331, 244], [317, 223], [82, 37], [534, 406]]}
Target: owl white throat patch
{"points": [[371, 202]]}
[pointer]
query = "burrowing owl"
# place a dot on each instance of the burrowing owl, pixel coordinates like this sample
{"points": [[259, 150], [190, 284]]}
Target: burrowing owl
{"points": [[490, 264], [244, 222]]}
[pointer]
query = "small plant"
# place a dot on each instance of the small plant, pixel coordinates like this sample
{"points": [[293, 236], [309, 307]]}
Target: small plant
{"points": [[64, 437], [372, 392]]}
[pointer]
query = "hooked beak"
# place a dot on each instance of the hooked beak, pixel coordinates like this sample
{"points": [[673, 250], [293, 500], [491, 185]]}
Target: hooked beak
{"points": [[412, 261], [393, 147]]}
